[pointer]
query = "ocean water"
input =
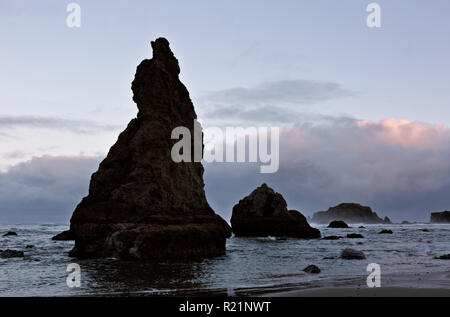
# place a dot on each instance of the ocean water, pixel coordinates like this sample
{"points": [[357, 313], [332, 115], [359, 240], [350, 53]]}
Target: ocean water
{"points": [[251, 265]]}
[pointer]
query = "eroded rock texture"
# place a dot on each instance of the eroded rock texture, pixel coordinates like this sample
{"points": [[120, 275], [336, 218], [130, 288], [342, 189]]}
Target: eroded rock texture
{"points": [[264, 213], [141, 204]]}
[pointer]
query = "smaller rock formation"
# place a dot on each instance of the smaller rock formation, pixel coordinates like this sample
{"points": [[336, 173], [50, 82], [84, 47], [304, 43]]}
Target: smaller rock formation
{"points": [[387, 220], [264, 213], [355, 236], [338, 224], [11, 254], [10, 233], [443, 257], [331, 238], [385, 231], [312, 269], [64, 236], [425, 230], [348, 212], [440, 217], [404, 222], [362, 227], [351, 254]]}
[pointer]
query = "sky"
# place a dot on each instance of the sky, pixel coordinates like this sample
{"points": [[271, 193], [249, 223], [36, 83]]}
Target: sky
{"points": [[364, 112]]}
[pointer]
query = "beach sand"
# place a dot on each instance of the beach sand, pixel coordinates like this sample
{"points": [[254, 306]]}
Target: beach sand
{"points": [[407, 285], [366, 292]]}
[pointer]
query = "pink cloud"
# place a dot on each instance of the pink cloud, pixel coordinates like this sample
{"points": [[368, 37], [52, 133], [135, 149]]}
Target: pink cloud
{"points": [[405, 134]]}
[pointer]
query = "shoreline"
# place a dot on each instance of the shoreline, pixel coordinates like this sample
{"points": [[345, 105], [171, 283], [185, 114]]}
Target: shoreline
{"points": [[365, 292], [436, 284]]}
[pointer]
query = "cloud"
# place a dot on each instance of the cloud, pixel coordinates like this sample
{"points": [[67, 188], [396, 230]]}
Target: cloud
{"points": [[45, 189], [277, 101], [75, 126], [15, 155], [263, 115], [399, 168], [281, 92]]}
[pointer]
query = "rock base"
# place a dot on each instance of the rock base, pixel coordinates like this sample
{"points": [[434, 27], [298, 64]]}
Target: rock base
{"points": [[158, 238], [288, 226]]}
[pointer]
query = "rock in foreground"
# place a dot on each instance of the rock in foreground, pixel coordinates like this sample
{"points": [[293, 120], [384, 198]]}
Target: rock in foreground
{"points": [[440, 217], [331, 238], [443, 257], [355, 236], [142, 204], [312, 269], [11, 254], [264, 213], [351, 254], [10, 233], [350, 213]]}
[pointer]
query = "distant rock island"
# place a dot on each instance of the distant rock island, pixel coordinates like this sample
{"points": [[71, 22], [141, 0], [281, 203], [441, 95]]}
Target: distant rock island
{"points": [[264, 213], [141, 204], [440, 217], [350, 213]]}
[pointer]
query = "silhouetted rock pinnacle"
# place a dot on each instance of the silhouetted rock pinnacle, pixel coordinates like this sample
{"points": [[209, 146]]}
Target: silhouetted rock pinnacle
{"points": [[264, 213], [141, 204]]}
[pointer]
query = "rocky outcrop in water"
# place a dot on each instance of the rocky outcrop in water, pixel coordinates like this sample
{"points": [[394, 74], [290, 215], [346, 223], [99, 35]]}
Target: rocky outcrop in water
{"points": [[352, 254], [440, 217], [7, 254], [355, 236], [64, 236], [350, 213], [264, 213], [332, 238], [313, 269], [338, 224], [142, 204], [10, 233]]}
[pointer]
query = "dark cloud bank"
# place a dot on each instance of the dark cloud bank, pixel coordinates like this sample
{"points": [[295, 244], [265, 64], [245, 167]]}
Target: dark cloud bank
{"points": [[399, 168], [44, 189]]}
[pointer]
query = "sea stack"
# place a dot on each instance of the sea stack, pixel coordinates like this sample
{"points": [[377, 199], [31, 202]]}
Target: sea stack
{"points": [[264, 213], [141, 204], [440, 217], [350, 213]]}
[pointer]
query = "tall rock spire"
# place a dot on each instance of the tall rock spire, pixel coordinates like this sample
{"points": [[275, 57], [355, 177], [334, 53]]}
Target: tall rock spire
{"points": [[142, 204]]}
